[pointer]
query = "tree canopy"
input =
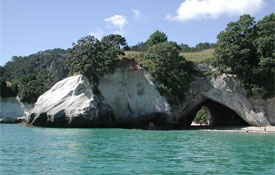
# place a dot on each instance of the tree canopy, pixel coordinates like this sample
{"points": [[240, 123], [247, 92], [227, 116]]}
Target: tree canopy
{"points": [[172, 70], [247, 49], [156, 38], [45, 68], [94, 58]]}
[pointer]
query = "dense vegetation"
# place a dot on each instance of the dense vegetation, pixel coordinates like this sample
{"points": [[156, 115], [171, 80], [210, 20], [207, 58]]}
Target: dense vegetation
{"points": [[159, 36], [34, 74], [246, 48], [94, 58], [168, 63]]}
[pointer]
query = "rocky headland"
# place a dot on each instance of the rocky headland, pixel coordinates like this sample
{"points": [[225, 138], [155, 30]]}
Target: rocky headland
{"points": [[130, 99]]}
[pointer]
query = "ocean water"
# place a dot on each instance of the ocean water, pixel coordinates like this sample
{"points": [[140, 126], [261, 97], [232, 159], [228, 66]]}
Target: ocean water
{"points": [[34, 150]]}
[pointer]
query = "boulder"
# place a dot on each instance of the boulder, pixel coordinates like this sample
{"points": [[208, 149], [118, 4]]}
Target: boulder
{"points": [[69, 103]]}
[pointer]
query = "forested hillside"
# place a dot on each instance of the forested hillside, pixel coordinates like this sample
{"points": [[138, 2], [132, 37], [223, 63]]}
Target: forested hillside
{"points": [[34, 74], [46, 65]]}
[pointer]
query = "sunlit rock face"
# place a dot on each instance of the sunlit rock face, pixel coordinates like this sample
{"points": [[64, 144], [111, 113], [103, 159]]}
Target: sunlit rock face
{"points": [[69, 103], [128, 99], [133, 96]]}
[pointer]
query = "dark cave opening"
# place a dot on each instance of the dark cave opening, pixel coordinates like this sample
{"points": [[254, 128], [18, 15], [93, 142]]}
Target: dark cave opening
{"points": [[217, 115]]}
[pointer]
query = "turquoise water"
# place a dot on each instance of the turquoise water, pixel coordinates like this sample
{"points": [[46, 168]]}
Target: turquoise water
{"points": [[33, 150]]}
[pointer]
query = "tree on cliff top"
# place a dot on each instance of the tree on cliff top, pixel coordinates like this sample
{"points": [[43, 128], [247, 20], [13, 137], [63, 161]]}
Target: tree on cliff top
{"points": [[247, 49], [156, 38], [172, 70], [94, 58]]}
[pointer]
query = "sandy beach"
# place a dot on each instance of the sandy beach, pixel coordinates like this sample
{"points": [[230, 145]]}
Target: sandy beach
{"points": [[247, 129]]}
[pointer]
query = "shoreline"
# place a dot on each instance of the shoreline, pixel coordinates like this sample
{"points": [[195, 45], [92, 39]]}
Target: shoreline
{"points": [[245, 129]]}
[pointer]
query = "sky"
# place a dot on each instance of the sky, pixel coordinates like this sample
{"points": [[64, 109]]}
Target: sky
{"points": [[30, 26]]}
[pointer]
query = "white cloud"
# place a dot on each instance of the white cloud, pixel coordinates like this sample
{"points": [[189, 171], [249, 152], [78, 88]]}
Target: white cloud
{"points": [[98, 33], [117, 20], [204, 9], [139, 17]]}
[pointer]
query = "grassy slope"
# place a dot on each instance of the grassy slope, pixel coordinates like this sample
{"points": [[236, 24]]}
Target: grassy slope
{"points": [[196, 57], [199, 57]]}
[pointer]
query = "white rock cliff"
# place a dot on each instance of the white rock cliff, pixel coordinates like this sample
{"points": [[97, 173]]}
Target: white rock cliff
{"points": [[11, 108], [130, 98], [132, 94], [67, 99]]}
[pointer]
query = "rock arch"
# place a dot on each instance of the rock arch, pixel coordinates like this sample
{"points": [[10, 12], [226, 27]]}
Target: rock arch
{"points": [[219, 115], [224, 93]]}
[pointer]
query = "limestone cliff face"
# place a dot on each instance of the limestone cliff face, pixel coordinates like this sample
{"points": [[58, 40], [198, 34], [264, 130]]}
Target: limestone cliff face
{"points": [[132, 95], [11, 108], [129, 98]]}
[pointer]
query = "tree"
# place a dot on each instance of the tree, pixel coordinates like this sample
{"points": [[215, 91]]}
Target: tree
{"points": [[8, 91], [265, 44], [164, 51], [235, 46], [247, 49], [30, 88], [265, 41], [185, 48], [141, 46], [113, 45], [172, 70], [30, 92], [156, 38], [93, 58], [203, 46], [2, 72], [114, 40], [44, 68], [48, 67]]}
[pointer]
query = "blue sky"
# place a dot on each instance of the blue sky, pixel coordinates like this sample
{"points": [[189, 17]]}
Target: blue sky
{"points": [[29, 26]]}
